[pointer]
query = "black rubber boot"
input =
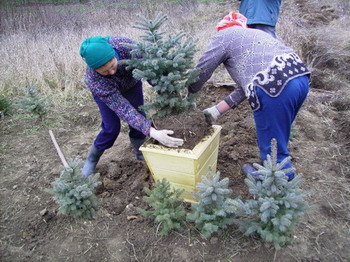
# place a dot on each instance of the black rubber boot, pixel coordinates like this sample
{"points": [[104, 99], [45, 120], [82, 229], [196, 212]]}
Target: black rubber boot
{"points": [[91, 161], [136, 143]]}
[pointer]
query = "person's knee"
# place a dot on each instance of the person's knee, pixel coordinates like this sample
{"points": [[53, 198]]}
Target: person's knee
{"points": [[111, 129]]}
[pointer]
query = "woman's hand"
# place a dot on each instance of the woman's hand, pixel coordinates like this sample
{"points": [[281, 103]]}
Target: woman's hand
{"points": [[162, 136], [211, 114]]}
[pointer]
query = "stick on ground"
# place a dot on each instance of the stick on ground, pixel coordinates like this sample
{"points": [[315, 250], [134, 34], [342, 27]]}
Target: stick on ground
{"points": [[59, 152]]}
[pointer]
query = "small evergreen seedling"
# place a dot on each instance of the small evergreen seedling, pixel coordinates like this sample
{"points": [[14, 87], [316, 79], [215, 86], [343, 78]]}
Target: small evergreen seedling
{"points": [[167, 64], [32, 102], [75, 193], [212, 213], [5, 106], [166, 208], [277, 204]]}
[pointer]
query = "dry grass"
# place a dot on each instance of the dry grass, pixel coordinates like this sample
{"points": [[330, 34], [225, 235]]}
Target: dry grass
{"points": [[320, 36], [40, 43]]}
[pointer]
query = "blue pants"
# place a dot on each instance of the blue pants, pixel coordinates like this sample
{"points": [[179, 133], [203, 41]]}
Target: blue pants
{"points": [[275, 117], [111, 123]]}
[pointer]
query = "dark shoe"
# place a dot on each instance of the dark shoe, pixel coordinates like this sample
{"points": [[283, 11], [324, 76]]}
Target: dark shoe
{"points": [[91, 161], [248, 169], [136, 144]]}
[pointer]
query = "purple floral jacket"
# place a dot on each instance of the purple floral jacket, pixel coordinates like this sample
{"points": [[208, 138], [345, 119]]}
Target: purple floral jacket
{"points": [[110, 88]]}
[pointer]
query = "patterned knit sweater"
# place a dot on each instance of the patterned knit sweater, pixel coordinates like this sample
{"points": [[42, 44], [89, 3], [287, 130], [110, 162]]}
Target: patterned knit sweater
{"points": [[253, 59], [110, 88]]}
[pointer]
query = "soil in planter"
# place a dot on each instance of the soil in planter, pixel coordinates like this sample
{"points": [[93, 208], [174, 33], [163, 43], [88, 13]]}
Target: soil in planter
{"points": [[190, 126]]}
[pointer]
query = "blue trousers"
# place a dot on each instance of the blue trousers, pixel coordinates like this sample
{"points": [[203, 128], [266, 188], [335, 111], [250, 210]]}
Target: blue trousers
{"points": [[275, 117], [111, 123]]}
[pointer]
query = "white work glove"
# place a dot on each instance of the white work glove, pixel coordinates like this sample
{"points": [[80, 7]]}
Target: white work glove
{"points": [[211, 114], [162, 137]]}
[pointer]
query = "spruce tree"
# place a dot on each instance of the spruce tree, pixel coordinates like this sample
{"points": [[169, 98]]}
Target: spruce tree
{"points": [[75, 193], [277, 204], [33, 102], [212, 213], [167, 64], [5, 105], [166, 207]]}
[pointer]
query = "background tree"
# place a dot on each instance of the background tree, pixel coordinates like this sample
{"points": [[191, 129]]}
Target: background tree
{"points": [[33, 102], [5, 105]]}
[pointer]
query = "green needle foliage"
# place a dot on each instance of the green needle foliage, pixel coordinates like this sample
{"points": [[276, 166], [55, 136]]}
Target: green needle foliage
{"points": [[32, 102], [212, 213], [166, 208], [75, 193], [167, 64], [5, 106], [277, 204]]}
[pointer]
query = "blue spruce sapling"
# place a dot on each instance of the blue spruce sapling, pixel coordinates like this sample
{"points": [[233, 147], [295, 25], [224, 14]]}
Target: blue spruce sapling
{"points": [[166, 208], [212, 213], [75, 193], [33, 102], [167, 64], [277, 204], [5, 105]]}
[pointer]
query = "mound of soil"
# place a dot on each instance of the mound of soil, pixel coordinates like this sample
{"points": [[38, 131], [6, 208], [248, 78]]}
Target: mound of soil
{"points": [[190, 126]]}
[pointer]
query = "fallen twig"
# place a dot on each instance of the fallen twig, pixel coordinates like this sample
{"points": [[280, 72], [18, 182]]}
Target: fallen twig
{"points": [[132, 245]]}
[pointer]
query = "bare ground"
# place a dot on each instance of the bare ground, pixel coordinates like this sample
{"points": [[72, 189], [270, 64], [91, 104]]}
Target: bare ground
{"points": [[31, 229]]}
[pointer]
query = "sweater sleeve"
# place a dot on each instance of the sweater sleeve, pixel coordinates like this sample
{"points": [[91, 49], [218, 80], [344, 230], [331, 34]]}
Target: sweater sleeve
{"points": [[121, 106], [236, 97], [210, 60]]}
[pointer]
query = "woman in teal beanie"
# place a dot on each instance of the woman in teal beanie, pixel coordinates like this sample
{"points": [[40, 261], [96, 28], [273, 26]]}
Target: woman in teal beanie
{"points": [[261, 14], [118, 96]]}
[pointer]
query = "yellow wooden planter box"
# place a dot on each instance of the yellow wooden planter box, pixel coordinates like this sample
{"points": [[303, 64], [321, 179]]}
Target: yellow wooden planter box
{"points": [[183, 168]]}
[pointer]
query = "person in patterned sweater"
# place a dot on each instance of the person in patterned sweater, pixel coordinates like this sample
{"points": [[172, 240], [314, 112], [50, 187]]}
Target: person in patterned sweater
{"points": [[118, 95], [269, 74]]}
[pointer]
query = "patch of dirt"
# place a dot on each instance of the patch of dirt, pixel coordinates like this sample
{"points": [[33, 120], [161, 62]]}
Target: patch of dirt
{"points": [[190, 126], [31, 229]]}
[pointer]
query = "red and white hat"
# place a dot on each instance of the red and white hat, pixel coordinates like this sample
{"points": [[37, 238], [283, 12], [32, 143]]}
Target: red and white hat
{"points": [[232, 19]]}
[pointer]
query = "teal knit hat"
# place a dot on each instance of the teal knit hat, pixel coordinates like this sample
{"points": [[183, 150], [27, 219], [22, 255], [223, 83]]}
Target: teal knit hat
{"points": [[96, 51]]}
